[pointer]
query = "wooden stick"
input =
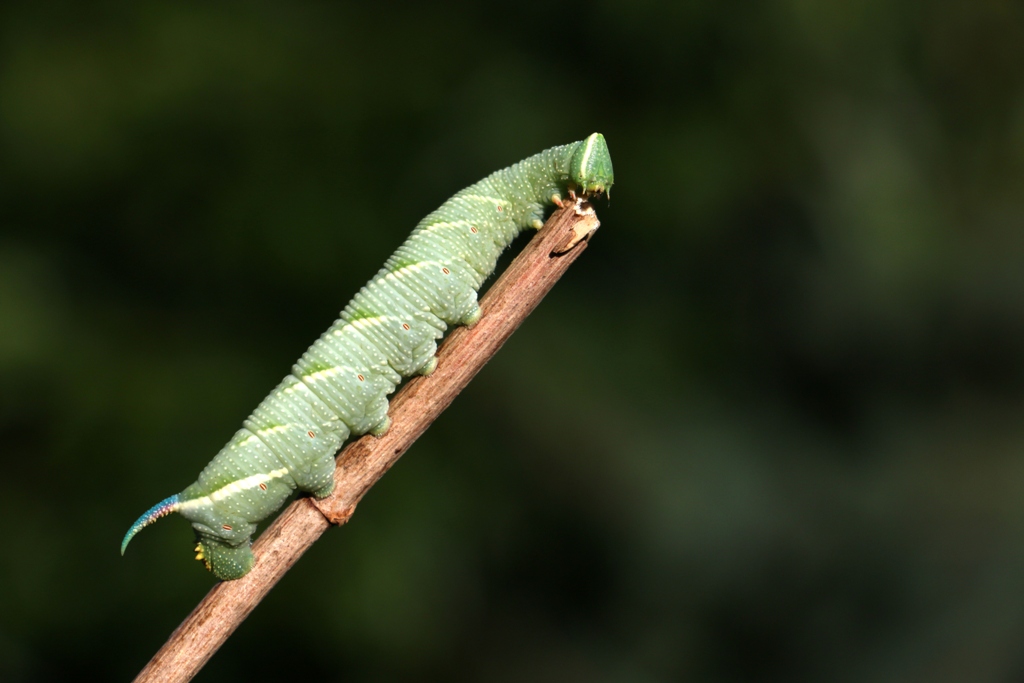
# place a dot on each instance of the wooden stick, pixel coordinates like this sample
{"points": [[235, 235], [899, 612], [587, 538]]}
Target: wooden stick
{"points": [[512, 297]]}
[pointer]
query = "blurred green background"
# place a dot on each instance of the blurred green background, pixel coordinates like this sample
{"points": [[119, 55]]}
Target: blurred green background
{"points": [[782, 439]]}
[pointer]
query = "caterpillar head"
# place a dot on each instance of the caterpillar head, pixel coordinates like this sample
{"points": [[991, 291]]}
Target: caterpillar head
{"points": [[591, 166], [226, 561]]}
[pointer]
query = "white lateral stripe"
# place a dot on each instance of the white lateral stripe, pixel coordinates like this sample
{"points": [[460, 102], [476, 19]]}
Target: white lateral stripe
{"points": [[409, 270], [260, 432], [235, 487], [492, 200], [586, 152], [329, 372], [245, 440], [268, 430], [369, 322], [447, 224], [273, 430]]}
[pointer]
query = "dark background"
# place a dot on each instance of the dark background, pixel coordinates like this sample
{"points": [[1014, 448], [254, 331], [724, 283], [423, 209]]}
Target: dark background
{"points": [[781, 439]]}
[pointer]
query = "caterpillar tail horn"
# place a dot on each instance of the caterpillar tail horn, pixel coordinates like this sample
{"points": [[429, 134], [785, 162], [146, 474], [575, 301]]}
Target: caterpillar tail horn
{"points": [[161, 509]]}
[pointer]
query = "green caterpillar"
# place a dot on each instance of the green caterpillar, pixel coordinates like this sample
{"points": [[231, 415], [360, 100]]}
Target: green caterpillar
{"points": [[388, 331]]}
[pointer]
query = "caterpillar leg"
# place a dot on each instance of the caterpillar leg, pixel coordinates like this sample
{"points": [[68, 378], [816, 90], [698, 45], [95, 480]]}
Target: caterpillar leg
{"points": [[322, 477], [472, 317], [535, 216], [429, 367], [227, 562], [382, 427]]}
